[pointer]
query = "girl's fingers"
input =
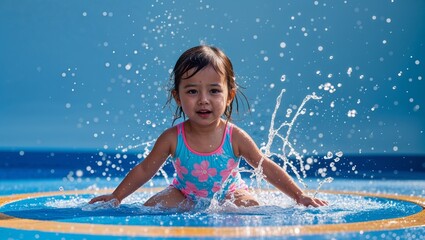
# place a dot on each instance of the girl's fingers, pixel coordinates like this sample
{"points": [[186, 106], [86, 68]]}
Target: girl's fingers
{"points": [[106, 198], [316, 202], [97, 199], [319, 202]]}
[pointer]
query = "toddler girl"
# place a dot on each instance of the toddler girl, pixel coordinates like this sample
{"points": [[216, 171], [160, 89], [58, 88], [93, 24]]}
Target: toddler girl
{"points": [[206, 147]]}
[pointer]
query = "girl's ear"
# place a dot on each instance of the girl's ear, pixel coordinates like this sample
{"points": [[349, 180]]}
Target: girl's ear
{"points": [[232, 94], [176, 97]]}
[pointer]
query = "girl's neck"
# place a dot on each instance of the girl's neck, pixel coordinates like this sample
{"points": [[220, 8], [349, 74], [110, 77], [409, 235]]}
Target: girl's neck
{"points": [[204, 139], [196, 129]]}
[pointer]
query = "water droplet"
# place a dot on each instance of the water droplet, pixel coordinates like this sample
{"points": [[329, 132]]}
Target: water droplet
{"points": [[329, 155], [288, 112], [328, 180], [128, 66], [352, 113], [416, 108]]}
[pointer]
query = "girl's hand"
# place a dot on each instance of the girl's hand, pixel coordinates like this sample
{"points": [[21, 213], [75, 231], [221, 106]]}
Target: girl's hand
{"points": [[106, 198], [306, 201]]}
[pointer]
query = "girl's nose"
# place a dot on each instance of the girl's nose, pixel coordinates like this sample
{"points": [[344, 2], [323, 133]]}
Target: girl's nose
{"points": [[203, 98]]}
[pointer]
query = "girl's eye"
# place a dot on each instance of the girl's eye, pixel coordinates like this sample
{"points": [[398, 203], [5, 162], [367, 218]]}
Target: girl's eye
{"points": [[215, 91], [191, 91]]}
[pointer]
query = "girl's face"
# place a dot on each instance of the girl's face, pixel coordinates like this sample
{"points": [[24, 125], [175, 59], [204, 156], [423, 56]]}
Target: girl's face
{"points": [[204, 96]]}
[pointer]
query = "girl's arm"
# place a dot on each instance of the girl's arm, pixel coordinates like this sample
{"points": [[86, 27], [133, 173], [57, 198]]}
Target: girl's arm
{"points": [[243, 145], [145, 170]]}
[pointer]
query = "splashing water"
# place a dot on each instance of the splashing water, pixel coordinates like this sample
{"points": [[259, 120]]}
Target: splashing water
{"points": [[345, 208], [288, 149]]}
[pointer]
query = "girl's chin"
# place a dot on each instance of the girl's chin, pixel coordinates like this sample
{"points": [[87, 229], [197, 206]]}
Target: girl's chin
{"points": [[204, 120]]}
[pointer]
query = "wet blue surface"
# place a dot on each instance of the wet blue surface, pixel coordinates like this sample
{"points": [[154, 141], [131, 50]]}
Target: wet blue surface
{"points": [[42, 174], [343, 208], [47, 208]]}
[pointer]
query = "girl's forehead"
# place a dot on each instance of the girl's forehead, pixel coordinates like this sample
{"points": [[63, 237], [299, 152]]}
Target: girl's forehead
{"points": [[208, 73]]}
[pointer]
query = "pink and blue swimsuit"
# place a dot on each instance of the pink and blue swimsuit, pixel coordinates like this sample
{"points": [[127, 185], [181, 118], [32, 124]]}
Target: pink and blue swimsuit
{"points": [[202, 175]]}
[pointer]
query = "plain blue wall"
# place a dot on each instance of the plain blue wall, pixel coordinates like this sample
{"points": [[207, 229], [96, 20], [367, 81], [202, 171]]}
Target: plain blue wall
{"points": [[57, 91]]}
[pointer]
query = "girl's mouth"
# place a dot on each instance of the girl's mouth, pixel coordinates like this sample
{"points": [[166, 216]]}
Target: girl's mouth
{"points": [[204, 113]]}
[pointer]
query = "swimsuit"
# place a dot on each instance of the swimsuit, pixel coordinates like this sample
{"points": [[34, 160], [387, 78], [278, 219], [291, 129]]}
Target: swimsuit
{"points": [[203, 175]]}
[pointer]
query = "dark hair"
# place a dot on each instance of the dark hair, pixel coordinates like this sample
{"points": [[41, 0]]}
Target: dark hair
{"points": [[197, 58]]}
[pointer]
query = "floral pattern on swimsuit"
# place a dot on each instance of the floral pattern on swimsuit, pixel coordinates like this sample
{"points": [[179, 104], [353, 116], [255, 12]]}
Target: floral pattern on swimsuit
{"points": [[205, 175]]}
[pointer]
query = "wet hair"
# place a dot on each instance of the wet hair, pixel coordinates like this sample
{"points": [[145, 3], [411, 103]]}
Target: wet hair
{"points": [[194, 60]]}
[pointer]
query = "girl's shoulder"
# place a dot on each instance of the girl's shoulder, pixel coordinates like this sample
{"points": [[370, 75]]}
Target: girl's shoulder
{"points": [[167, 141], [244, 146], [238, 133], [240, 140], [169, 134]]}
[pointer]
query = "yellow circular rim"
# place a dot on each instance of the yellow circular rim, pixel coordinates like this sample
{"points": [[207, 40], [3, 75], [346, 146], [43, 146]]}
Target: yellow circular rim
{"points": [[414, 220]]}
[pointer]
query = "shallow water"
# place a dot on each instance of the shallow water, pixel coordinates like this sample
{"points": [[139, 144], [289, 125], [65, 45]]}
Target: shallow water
{"points": [[278, 211]]}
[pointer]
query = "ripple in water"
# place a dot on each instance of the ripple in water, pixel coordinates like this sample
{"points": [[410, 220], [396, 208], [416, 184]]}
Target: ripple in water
{"points": [[279, 211]]}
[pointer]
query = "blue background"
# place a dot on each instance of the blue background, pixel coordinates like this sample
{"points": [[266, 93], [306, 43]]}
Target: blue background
{"points": [[81, 75]]}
